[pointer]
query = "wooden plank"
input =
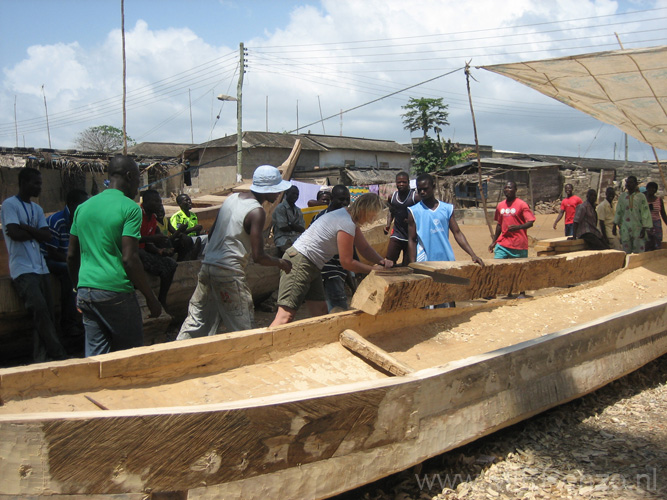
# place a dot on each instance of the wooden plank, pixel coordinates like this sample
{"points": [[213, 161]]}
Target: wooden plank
{"points": [[546, 254], [300, 444], [560, 241], [369, 351], [379, 294], [646, 259], [562, 248], [286, 170]]}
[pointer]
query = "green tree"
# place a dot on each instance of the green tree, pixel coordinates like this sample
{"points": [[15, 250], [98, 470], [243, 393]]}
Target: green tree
{"points": [[454, 153], [103, 138], [428, 156], [425, 114]]}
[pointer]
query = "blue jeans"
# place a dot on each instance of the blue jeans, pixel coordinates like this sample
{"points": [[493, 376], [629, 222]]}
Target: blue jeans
{"points": [[112, 320], [334, 291], [569, 229], [35, 291]]}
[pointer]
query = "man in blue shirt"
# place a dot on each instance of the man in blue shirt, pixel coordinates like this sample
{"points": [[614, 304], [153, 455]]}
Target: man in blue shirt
{"points": [[429, 224], [25, 227], [55, 254]]}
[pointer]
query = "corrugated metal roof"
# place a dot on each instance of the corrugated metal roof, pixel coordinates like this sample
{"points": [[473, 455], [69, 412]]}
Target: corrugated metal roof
{"points": [[367, 177], [590, 163], [358, 143], [166, 149], [501, 162], [311, 142], [263, 140]]}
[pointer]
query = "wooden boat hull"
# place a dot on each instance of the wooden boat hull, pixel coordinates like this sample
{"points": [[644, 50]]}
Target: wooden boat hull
{"points": [[297, 444]]}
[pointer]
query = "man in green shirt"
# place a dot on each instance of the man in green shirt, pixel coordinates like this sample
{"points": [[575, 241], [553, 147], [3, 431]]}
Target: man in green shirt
{"points": [[103, 261]]}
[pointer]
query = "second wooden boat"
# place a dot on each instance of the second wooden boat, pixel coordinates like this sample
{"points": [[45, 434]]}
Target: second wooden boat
{"points": [[316, 407]]}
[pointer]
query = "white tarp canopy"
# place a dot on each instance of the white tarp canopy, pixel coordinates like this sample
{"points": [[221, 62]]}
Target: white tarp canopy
{"points": [[625, 88]]}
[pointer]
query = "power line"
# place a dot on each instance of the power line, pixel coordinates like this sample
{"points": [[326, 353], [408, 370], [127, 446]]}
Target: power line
{"points": [[336, 115], [494, 46], [546, 23]]}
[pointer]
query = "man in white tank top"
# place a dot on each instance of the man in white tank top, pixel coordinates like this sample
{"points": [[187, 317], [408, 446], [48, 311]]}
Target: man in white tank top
{"points": [[222, 293]]}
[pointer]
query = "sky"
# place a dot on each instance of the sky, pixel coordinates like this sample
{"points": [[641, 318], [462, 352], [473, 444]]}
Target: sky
{"points": [[307, 60]]}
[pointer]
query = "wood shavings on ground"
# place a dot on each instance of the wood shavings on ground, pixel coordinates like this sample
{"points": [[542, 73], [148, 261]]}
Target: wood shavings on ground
{"points": [[611, 444]]}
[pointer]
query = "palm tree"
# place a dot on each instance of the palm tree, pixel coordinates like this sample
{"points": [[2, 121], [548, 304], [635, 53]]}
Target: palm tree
{"points": [[425, 114]]}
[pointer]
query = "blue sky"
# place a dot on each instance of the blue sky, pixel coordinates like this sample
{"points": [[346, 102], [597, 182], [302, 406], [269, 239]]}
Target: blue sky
{"points": [[45, 22], [328, 54]]}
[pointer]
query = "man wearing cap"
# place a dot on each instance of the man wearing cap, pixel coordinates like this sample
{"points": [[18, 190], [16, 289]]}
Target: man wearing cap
{"points": [[222, 293]]}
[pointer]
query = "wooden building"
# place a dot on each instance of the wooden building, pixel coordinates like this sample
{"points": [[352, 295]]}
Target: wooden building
{"points": [[335, 158], [536, 181]]}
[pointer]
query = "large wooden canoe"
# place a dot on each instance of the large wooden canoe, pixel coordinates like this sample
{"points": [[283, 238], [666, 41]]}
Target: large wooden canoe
{"points": [[320, 406]]}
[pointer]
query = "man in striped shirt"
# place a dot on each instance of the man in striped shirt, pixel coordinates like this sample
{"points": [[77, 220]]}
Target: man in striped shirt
{"points": [[55, 254]]}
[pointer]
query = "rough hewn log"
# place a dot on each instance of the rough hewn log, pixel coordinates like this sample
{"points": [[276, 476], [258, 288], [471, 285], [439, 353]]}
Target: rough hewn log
{"points": [[299, 445], [382, 293], [369, 351]]}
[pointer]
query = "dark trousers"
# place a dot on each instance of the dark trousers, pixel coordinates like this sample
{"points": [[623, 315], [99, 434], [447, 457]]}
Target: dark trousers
{"points": [[593, 242], [69, 316], [35, 291], [112, 320]]}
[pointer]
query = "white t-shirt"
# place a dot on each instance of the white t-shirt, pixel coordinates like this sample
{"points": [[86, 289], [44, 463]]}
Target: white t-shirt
{"points": [[320, 241]]}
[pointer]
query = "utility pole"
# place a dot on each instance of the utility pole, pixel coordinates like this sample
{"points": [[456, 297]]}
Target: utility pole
{"points": [[321, 118], [341, 122], [192, 134], [16, 127], [239, 115], [122, 31], [480, 181], [267, 113], [46, 110], [297, 116], [626, 150]]}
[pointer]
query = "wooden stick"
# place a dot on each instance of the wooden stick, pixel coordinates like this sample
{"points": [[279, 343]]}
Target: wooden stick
{"points": [[370, 352], [96, 403], [479, 160]]}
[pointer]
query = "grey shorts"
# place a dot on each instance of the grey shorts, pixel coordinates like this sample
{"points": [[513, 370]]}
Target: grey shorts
{"points": [[304, 282]]}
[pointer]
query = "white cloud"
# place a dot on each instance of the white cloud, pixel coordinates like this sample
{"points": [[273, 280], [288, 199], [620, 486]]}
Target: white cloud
{"points": [[326, 51]]}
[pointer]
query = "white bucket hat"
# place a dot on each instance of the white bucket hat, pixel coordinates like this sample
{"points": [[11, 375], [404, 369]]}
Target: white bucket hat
{"points": [[267, 179]]}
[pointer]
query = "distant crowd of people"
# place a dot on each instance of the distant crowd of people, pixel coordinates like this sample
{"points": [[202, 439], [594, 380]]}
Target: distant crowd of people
{"points": [[100, 249]]}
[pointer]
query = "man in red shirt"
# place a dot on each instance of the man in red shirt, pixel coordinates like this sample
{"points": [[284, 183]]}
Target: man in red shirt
{"points": [[513, 217], [568, 207]]}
